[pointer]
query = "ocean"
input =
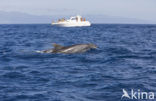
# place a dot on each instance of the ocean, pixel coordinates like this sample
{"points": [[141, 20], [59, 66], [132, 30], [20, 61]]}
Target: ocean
{"points": [[125, 59]]}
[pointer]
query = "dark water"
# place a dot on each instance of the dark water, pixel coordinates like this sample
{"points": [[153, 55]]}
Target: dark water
{"points": [[125, 58]]}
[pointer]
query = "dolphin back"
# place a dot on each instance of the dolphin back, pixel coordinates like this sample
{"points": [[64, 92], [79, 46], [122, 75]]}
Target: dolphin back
{"points": [[78, 48]]}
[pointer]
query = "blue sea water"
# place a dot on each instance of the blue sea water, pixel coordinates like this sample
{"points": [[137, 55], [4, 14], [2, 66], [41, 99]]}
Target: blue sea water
{"points": [[125, 59]]}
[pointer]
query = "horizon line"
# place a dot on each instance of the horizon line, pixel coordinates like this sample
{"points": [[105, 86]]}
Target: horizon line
{"points": [[92, 23]]}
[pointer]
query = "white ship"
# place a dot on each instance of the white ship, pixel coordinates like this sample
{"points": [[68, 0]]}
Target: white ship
{"points": [[76, 21]]}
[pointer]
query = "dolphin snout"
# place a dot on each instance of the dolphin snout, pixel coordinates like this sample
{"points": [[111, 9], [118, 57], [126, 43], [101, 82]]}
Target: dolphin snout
{"points": [[93, 46]]}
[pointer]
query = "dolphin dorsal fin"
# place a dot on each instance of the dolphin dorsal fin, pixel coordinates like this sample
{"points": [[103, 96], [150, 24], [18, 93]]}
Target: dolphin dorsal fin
{"points": [[56, 46]]}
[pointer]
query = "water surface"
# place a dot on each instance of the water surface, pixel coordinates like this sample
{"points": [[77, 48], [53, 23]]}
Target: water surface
{"points": [[125, 58]]}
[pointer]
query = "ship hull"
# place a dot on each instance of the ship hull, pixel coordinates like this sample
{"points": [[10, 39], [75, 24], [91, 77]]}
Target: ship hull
{"points": [[72, 24]]}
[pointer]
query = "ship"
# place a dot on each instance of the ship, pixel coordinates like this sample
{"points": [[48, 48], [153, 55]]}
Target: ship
{"points": [[75, 21]]}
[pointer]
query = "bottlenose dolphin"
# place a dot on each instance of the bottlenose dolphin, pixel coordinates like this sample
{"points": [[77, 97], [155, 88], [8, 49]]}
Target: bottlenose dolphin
{"points": [[78, 48]]}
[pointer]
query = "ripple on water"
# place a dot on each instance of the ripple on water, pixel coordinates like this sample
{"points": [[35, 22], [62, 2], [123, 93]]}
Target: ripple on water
{"points": [[125, 58]]}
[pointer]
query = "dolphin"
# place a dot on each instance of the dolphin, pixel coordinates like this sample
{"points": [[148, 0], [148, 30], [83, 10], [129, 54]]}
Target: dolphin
{"points": [[78, 48]]}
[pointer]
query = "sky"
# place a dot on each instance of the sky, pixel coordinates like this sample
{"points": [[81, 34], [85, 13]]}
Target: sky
{"points": [[139, 9]]}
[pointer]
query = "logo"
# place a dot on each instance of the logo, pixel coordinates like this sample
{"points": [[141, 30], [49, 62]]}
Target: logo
{"points": [[137, 95]]}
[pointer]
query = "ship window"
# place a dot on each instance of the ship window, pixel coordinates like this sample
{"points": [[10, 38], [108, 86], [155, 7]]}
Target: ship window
{"points": [[73, 19]]}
